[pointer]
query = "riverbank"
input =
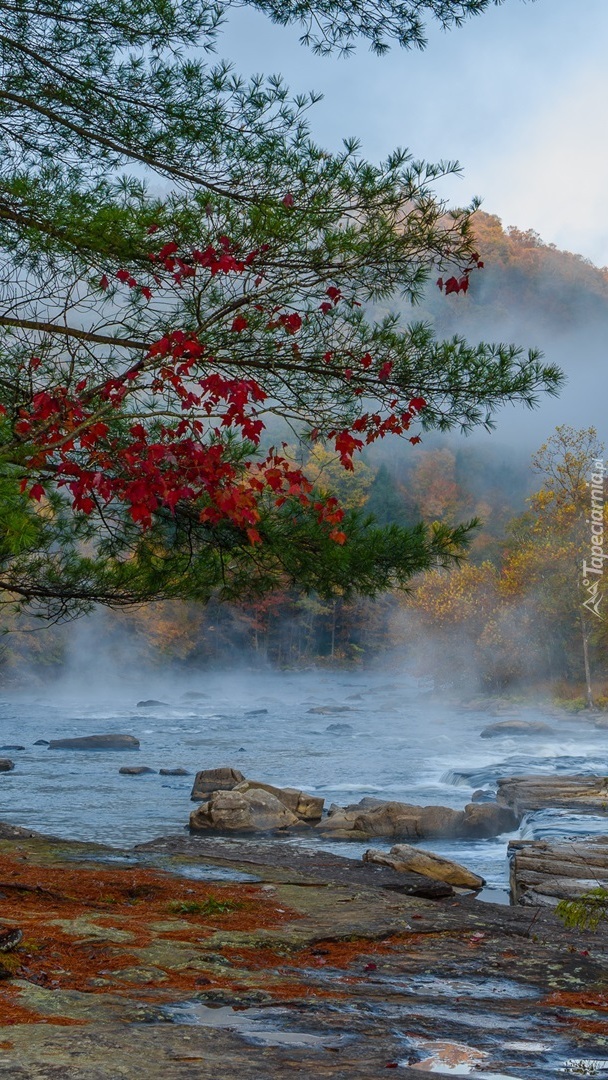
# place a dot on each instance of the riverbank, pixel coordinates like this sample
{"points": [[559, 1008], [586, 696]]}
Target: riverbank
{"points": [[255, 959]]}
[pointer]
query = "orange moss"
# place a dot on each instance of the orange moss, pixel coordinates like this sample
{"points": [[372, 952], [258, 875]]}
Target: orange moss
{"points": [[126, 899], [592, 1027], [573, 999]]}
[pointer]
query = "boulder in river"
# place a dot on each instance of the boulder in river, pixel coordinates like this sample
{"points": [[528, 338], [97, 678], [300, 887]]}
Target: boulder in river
{"points": [[243, 812], [516, 727], [581, 793], [6, 764], [208, 780], [96, 742], [405, 858], [306, 807], [135, 770], [410, 822]]}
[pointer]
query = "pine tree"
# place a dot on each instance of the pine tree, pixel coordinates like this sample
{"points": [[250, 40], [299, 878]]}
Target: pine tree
{"points": [[180, 262]]}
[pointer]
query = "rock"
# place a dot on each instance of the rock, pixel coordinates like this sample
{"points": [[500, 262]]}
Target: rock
{"points": [[41, 742], [96, 742], [135, 770], [174, 772], [482, 820], [295, 862], [329, 710], [306, 807], [192, 695], [12, 746], [482, 796], [15, 832], [256, 712], [6, 764], [543, 872], [339, 729], [242, 811], [395, 819], [405, 858], [567, 792], [10, 938], [150, 703], [208, 780], [516, 727]]}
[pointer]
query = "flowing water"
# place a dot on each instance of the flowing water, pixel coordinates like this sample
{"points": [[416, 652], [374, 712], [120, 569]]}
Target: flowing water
{"points": [[395, 741]]}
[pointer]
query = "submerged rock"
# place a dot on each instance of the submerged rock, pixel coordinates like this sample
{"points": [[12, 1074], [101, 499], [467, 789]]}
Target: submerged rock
{"points": [[256, 712], [516, 727], [96, 742], [12, 746], [135, 770], [6, 764], [242, 811], [339, 729], [41, 742], [329, 710], [150, 703], [405, 858], [174, 772], [208, 780]]}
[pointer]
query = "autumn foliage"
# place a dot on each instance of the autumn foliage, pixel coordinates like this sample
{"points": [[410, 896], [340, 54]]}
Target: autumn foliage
{"points": [[73, 440]]}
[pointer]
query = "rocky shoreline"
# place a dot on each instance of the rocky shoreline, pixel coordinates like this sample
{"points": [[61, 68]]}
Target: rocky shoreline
{"points": [[219, 957]]}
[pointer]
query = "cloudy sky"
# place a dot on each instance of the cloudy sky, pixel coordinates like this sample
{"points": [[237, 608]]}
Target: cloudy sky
{"points": [[518, 96]]}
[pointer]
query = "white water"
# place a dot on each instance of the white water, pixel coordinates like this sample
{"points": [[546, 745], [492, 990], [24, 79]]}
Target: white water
{"points": [[402, 744]]}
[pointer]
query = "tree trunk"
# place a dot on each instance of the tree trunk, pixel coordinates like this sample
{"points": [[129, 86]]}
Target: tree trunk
{"points": [[588, 690]]}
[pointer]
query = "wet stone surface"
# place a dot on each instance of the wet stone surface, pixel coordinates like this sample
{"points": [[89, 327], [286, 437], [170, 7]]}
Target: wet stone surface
{"points": [[132, 966]]}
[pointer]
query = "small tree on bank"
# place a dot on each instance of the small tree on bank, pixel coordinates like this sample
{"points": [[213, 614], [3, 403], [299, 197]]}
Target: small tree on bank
{"points": [[179, 263]]}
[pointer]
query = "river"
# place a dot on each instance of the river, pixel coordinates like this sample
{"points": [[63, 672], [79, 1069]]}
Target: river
{"points": [[400, 743]]}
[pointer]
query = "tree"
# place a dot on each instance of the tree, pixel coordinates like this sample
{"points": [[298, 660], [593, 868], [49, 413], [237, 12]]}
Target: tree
{"points": [[550, 545], [464, 630], [149, 330]]}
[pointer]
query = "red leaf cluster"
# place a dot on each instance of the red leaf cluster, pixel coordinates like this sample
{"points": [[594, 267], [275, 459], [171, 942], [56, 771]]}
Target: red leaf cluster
{"points": [[187, 463], [460, 284]]}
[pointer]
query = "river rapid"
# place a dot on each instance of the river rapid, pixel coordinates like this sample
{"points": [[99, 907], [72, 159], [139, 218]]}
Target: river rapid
{"points": [[400, 743]]}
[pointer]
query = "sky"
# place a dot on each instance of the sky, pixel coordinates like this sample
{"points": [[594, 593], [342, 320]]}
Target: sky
{"points": [[518, 96]]}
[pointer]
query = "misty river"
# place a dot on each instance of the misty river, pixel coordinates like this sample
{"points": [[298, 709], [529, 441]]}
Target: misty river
{"points": [[395, 741]]}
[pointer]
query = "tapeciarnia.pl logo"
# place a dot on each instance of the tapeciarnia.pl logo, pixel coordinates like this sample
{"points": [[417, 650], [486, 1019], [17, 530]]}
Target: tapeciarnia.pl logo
{"points": [[593, 569]]}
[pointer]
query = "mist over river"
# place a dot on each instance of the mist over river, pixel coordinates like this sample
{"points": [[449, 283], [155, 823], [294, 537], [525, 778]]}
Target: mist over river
{"points": [[401, 743]]}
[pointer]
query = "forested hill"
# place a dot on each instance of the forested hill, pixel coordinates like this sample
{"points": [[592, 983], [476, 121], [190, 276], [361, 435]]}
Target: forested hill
{"points": [[523, 279]]}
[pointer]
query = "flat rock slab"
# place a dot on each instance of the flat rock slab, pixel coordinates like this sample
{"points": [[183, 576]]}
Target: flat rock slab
{"points": [[582, 793], [305, 979], [544, 872], [317, 867]]}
